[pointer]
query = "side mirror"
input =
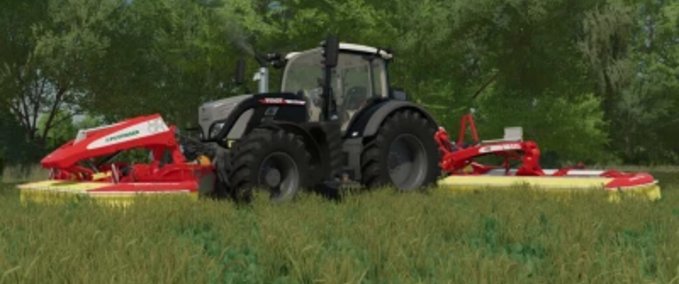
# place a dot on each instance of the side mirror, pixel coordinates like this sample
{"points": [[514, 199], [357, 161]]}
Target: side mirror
{"points": [[276, 60], [331, 51], [239, 77], [399, 94]]}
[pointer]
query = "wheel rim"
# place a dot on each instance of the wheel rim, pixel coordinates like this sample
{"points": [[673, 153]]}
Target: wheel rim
{"points": [[407, 162], [279, 174]]}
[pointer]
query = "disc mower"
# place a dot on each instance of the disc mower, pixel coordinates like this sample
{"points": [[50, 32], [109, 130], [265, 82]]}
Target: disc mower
{"points": [[520, 167], [86, 165], [335, 120]]}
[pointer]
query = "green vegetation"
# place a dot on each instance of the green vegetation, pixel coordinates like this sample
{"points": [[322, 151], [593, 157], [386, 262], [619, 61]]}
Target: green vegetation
{"points": [[23, 173], [379, 237]]}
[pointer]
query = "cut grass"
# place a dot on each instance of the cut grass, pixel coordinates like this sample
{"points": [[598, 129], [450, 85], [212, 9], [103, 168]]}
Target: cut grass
{"points": [[381, 237]]}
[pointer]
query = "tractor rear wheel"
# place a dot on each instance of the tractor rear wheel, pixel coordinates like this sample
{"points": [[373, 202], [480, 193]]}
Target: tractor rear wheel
{"points": [[403, 154], [271, 159]]}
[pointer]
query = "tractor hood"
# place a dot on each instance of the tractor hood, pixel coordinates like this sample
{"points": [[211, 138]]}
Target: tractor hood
{"points": [[210, 112]]}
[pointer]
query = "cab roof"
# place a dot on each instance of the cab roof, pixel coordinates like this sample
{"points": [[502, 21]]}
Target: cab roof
{"points": [[352, 47]]}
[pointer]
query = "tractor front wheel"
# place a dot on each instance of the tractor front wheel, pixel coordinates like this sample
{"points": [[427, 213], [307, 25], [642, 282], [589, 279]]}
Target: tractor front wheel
{"points": [[270, 159]]}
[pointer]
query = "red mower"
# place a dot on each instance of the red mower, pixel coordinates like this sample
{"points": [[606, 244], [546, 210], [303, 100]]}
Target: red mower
{"points": [[86, 164], [460, 162]]}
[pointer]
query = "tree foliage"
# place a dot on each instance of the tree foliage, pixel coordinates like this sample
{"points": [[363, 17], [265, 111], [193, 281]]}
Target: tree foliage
{"points": [[632, 49], [590, 80], [48, 45]]}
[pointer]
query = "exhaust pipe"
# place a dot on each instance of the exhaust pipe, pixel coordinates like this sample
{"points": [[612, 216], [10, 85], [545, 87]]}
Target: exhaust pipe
{"points": [[262, 76]]}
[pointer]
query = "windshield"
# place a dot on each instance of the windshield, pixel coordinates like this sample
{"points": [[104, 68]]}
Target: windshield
{"points": [[352, 81], [303, 72]]}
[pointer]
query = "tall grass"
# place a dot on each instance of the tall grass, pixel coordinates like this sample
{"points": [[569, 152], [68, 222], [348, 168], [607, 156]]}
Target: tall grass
{"points": [[22, 173], [378, 237]]}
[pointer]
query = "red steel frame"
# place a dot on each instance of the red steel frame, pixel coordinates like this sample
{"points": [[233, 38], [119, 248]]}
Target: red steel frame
{"points": [[68, 162], [459, 159]]}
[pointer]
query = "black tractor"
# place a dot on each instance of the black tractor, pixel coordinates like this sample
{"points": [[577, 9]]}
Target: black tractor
{"points": [[336, 120]]}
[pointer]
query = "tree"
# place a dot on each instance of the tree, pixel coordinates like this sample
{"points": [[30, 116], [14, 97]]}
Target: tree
{"points": [[14, 148], [632, 49], [46, 47], [577, 75], [169, 56]]}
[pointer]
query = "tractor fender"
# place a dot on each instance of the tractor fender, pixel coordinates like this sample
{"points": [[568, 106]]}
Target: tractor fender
{"points": [[369, 121]]}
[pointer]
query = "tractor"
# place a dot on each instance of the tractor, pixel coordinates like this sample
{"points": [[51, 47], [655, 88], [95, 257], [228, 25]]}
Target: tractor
{"points": [[335, 120]]}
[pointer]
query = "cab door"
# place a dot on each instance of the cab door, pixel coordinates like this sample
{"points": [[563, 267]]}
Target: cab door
{"points": [[358, 78]]}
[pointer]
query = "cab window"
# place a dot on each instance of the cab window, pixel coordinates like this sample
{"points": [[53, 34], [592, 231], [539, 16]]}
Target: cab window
{"points": [[356, 79]]}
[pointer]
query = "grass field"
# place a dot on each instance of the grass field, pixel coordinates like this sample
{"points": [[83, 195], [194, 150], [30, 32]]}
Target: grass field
{"points": [[378, 237]]}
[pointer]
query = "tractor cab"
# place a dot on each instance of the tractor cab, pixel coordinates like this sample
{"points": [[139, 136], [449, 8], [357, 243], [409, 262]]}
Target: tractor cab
{"points": [[359, 78]]}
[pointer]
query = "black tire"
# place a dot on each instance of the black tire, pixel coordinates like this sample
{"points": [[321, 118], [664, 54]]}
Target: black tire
{"points": [[402, 154], [222, 186], [270, 159]]}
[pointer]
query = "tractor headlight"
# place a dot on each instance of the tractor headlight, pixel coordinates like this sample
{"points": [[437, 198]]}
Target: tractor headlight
{"points": [[215, 129]]}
